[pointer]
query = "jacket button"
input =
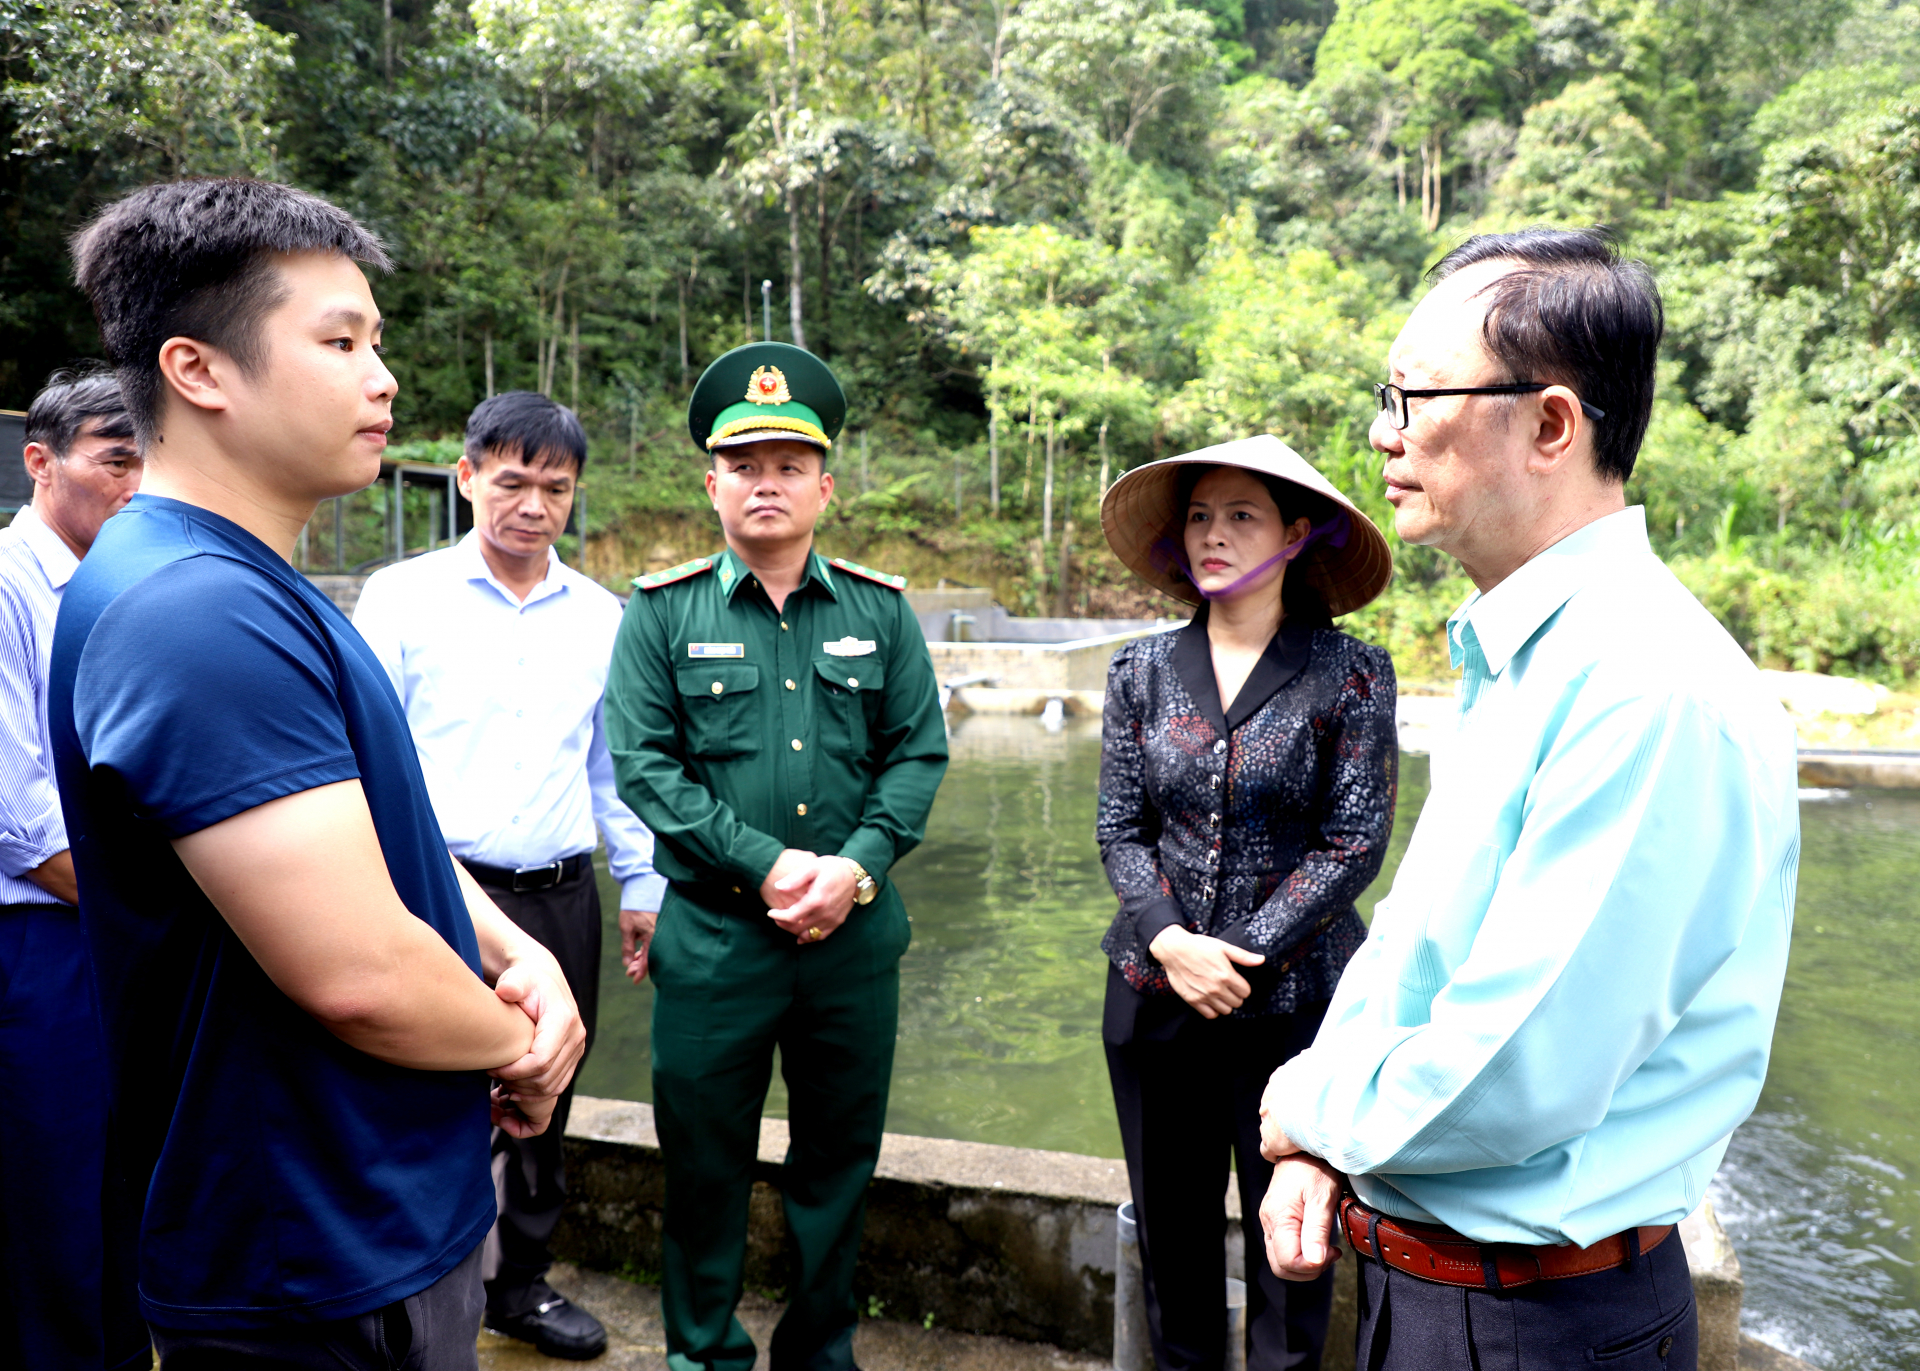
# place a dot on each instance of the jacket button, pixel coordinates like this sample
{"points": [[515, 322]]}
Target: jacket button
{"points": [[854, 681], [797, 744], [717, 687], [789, 685], [1219, 746], [1215, 778], [801, 810], [1666, 1346]]}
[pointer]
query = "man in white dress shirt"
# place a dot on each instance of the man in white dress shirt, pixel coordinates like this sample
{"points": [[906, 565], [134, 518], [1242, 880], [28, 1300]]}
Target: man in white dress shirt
{"points": [[499, 653], [71, 1299]]}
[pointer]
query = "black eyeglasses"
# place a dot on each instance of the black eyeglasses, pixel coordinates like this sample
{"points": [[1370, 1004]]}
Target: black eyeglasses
{"points": [[1393, 399]]}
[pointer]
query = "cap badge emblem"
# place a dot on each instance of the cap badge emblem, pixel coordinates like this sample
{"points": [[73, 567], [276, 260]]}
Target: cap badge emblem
{"points": [[768, 386]]}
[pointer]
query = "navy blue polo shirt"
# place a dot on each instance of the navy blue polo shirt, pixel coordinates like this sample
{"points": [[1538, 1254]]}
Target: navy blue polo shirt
{"points": [[288, 1177]]}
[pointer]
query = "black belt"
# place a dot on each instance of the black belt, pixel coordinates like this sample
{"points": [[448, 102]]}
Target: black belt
{"points": [[521, 880]]}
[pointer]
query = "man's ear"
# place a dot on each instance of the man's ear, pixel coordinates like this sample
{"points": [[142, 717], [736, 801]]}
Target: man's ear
{"points": [[713, 481], [198, 373], [1559, 427], [826, 484], [39, 460], [463, 477]]}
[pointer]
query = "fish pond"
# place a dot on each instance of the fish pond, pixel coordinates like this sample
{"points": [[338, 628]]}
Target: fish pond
{"points": [[1000, 1025]]}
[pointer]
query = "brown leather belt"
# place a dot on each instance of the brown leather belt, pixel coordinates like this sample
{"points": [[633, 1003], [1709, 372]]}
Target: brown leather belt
{"points": [[1448, 1258]]}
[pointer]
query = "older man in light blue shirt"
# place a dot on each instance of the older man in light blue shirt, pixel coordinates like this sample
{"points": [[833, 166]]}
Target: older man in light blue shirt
{"points": [[1531, 1070], [499, 653]]}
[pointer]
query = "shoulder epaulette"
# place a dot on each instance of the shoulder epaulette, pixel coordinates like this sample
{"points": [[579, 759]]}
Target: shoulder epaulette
{"points": [[654, 580], [867, 572]]}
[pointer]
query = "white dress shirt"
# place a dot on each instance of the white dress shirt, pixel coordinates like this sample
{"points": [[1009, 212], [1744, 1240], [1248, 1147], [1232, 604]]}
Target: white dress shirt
{"points": [[35, 567], [1564, 1008], [504, 699]]}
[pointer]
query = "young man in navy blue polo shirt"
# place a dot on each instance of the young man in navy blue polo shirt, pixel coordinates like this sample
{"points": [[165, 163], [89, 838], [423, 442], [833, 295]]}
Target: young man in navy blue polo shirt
{"points": [[302, 995]]}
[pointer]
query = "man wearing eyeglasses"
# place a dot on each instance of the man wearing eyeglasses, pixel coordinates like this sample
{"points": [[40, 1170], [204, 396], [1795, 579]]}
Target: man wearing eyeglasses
{"points": [[1531, 1070]]}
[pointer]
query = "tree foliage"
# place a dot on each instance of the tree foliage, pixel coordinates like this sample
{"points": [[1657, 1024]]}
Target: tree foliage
{"points": [[1036, 237]]}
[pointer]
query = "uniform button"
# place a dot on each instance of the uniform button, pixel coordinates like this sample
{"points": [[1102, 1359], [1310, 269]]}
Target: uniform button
{"points": [[783, 625], [1219, 746], [797, 744], [854, 681], [736, 890], [801, 810], [516, 818], [1213, 819], [789, 685], [717, 687], [1215, 779], [1666, 1346]]}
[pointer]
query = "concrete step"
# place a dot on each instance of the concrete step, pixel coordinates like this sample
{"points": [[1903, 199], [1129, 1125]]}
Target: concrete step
{"points": [[636, 1342]]}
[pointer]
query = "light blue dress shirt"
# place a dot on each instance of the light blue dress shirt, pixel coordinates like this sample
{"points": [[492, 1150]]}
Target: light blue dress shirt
{"points": [[35, 567], [504, 700], [1565, 1006]]}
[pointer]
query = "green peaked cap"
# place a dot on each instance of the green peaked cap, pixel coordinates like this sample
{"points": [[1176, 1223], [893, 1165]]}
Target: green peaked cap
{"points": [[766, 390]]}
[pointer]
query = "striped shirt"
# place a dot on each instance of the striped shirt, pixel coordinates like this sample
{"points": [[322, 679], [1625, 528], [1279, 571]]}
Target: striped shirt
{"points": [[35, 567]]}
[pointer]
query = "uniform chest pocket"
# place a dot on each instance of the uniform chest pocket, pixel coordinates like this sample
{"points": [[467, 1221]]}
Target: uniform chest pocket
{"points": [[718, 701], [850, 695]]}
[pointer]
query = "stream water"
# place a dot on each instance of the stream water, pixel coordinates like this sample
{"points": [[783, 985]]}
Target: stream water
{"points": [[1000, 1015]]}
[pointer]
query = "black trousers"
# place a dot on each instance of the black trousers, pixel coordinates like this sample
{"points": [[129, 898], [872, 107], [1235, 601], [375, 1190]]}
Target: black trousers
{"points": [[68, 1301], [1187, 1091], [431, 1331], [1639, 1317], [530, 1174]]}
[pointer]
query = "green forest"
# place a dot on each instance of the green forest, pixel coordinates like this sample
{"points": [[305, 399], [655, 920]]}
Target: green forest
{"points": [[1044, 241]]}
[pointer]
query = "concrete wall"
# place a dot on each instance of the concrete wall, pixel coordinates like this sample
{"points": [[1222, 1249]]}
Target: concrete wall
{"points": [[999, 1240]]}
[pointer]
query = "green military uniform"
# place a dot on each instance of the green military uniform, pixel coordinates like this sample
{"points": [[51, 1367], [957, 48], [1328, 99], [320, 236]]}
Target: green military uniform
{"points": [[738, 731]]}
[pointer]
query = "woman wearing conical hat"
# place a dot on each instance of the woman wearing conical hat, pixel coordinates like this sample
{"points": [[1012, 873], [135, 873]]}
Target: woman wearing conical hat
{"points": [[1246, 798]]}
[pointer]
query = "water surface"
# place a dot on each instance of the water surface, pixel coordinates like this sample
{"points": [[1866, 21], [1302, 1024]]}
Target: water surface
{"points": [[1000, 1025]]}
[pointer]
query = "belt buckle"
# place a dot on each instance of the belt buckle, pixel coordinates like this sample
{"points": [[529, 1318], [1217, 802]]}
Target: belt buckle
{"points": [[551, 871]]}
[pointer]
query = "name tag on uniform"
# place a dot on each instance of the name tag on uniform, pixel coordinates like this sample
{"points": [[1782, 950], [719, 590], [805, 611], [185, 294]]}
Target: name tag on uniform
{"points": [[849, 647], [716, 649]]}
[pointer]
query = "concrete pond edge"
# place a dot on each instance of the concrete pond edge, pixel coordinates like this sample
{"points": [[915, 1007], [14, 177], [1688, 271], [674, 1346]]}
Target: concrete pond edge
{"points": [[1003, 1241]]}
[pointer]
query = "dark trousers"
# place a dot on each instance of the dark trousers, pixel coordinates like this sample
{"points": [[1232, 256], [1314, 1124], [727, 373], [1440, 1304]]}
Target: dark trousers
{"points": [[1187, 1091], [530, 1174], [69, 1302], [728, 990], [434, 1330], [1639, 1317]]}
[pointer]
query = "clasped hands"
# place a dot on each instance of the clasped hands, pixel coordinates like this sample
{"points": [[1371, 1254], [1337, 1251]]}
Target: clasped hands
{"points": [[1302, 1203], [527, 1089], [807, 894]]}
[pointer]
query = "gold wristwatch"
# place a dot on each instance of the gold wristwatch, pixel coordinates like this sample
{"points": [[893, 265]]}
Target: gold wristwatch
{"points": [[863, 887]]}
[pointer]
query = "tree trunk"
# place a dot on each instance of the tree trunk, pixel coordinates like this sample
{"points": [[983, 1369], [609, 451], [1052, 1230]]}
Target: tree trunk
{"points": [[1063, 580], [1026, 481], [683, 334], [1431, 152], [1046, 491], [489, 357], [793, 284], [1105, 468], [993, 464], [573, 364], [826, 256]]}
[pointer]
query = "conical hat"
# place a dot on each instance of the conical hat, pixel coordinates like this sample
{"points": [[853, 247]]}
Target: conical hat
{"points": [[1138, 517]]}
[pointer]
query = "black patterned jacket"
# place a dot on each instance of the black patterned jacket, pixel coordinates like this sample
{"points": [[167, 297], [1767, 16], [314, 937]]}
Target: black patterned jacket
{"points": [[1258, 825]]}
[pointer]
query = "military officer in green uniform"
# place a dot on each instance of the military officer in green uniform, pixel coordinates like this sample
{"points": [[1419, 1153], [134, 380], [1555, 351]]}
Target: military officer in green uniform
{"points": [[774, 719]]}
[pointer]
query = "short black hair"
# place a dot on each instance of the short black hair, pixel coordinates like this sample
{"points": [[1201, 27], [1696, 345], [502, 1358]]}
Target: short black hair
{"points": [[527, 426], [1575, 313], [71, 397], [193, 259], [1299, 598]]}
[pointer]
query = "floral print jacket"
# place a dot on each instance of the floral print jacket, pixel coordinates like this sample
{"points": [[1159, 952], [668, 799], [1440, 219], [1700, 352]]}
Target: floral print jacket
{"points": [[1258, 824]]}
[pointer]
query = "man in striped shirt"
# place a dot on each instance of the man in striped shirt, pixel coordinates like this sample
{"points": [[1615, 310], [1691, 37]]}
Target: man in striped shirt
{"points": [[65, 1316]]}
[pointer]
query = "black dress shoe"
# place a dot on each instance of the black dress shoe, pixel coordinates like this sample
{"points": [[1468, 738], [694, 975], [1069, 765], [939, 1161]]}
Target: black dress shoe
{"points": [[557, 1328]]}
